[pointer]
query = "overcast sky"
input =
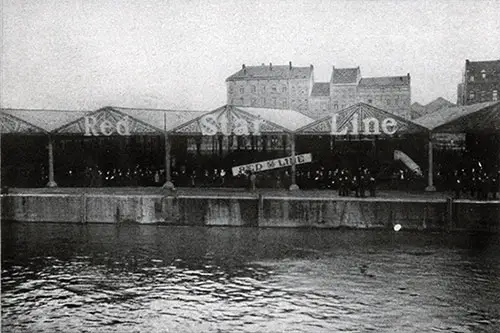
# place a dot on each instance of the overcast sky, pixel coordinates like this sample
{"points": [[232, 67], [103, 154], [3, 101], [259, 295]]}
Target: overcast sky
{"points": [[83, 55]]}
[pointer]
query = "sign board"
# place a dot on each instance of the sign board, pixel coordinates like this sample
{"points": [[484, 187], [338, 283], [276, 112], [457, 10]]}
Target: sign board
{"points": [[272, 164]]}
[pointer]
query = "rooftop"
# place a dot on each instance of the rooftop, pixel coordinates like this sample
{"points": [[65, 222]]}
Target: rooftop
{"points": [[271, 72], [344, 75], [321, 89], [385, 81]]}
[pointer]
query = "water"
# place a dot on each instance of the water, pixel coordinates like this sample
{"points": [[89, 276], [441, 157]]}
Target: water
{"points": [[139, 278]]}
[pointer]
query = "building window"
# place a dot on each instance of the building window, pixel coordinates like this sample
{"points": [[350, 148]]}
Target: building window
{"points": [[254, 89], [273, 89], [471, 78], [253, 101], [242, 101], [283, 104], [483, 74], [369, 101], [388, 102], [263, 101], [242, 90], [335, 106], [343, 106], [263, 88], [231, 89], [495, 95], [471, 95], [283, 89], [274, 101]]}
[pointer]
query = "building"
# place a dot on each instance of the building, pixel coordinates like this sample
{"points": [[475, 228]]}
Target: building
{"points": [[288, 87], [347, 87], [418, 110], [277, 87], [480, 82]]}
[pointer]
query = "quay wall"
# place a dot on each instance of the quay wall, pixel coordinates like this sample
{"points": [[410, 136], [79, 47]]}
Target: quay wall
{"points": [[253, 210]]}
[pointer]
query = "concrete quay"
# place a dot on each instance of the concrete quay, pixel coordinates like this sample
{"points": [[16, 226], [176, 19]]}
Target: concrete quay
{"points": [[238, 207]]}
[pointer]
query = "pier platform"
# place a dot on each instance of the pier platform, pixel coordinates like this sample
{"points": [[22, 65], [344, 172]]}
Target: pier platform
{"points": [[240, 207]]}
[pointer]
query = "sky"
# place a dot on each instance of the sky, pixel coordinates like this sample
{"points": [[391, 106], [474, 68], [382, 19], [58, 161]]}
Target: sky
{"points": [[84, 55]]}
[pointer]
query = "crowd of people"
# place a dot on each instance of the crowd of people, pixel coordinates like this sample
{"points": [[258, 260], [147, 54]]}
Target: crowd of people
{"points": [[475, 183]]}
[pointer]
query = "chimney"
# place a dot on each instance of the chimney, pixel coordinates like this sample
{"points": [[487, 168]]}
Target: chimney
{"points": [[290, 65], [312, 67], [263, 64], [244, 68], [271, 66]]}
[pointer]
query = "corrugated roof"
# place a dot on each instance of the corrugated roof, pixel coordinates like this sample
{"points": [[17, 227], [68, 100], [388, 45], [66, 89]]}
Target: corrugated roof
{"points": [[48, 120], [363, 111], [158, 117], [273, 73], [60, 121], [321, 89], [289, 119], [344, 75], [385, 81], [481, 117], [275, 121]]}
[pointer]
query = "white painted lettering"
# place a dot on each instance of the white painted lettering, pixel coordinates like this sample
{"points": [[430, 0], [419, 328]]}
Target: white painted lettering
{"points": [[369, 124], [334, 127], [90, 123], [106, 127], [122, 127], [389, 122], [208, 125], [241, 127]]}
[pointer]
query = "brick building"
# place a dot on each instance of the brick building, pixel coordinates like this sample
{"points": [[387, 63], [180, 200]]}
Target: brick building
{"points": [[268, 86], [288, 87], [480, 82]]}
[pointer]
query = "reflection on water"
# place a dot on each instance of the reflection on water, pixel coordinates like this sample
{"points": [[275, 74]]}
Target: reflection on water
{"points": [[132, 278]]}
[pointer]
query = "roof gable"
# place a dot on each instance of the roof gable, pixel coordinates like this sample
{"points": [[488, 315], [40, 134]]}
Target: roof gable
{"points": [[271, 120], [480, 117], [362, 111], [109, 119], [11, 124]]}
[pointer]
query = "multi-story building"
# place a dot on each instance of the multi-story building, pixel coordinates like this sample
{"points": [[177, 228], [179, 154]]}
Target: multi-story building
{"points": [[390, 93], [288, 87], [480, 82], [278, 87]]}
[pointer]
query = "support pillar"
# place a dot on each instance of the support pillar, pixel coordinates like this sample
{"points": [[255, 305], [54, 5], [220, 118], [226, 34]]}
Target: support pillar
{"points": [[168, 174], [51, 182], [293, 186], [430, 175]]}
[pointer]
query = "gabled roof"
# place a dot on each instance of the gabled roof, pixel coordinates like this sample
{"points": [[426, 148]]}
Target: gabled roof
{"points": [[481, 117], [344, 117], [10, 124], [275, 121], [143, 121], [344, 75], [48, 120], [385, 81], [266, 72], [321, 89], [288, 119]]}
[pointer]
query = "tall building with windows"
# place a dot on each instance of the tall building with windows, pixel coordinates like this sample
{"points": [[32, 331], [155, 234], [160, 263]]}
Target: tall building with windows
{"points": [[268, 86], [480, 82], [347, 87], [288, 87]]}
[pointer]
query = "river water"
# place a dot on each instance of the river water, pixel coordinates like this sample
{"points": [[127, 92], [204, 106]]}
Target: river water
{"points": [[143, 278]]}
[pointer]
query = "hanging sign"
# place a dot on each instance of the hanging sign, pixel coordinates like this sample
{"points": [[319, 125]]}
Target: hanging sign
{"points": [[272, 164]]}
